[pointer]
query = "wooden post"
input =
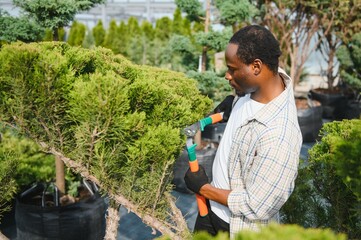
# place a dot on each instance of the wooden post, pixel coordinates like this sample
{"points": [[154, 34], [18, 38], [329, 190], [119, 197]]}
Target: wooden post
{"points": [[206, 29], [60, 175]]}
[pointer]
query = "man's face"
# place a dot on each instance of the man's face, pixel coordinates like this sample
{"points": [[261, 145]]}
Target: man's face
{"points": [[239, 75]]}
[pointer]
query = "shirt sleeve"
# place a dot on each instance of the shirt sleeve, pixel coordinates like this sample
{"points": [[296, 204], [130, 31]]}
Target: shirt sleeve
{"points": [[270, 179]]}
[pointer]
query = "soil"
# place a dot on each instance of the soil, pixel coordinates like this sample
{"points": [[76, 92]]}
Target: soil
{"points": [[302, 103], [329, 91]]}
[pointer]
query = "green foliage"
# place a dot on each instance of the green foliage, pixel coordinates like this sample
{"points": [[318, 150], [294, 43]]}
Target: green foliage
{"points": [[22, 163], [123, 38], [99, 33], [193, 8], [33, 165], [13, 29], [235, 12], [54, 14], [343, 140], [119, 120], [289, 232], [163, 28], [7, 171], [349, 56], [89, 41], [182, 54], [177, 22], [49, 36], [137, 41], [111, 39], [211, 85], [327, 192], [77, 34], [272, 232], [214, 40]]}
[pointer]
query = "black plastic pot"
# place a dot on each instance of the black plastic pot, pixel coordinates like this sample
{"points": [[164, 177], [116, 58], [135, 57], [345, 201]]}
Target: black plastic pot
{"points": [[350, 111], [38, 215], [331, 102], [310, 120]]}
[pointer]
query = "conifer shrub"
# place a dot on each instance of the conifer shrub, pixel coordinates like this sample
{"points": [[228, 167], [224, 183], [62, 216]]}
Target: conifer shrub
{"points": [[7, 181], [121, 121], [274, 231], [328, 188], [22, 163]]}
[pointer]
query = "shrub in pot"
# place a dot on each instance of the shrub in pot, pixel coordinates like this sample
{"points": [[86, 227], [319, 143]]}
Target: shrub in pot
{"points": [[331, 101], [349, 56], [110, 120], [30, 167], [309, 114]]}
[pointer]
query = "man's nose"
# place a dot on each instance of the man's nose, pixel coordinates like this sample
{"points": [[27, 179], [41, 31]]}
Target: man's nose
{"points": [[228, 76]]}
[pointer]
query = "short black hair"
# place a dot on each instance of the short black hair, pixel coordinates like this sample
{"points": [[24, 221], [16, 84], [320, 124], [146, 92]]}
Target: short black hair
{"points": [[254, 42]]}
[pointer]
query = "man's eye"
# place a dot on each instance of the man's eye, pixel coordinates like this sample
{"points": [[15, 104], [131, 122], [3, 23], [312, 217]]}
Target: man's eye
{"points": [[230, 70]]}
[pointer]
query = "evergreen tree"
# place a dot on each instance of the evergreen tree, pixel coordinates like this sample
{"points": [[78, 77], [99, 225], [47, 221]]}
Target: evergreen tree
{"points": [[163, 28], [77, 34], [99, 33], [177, 25], [123, 38], [48, 36], [349, 55], [115, 122], [111, 37], [187, 29], [21, 28], [147, 37], [89, 41], [236, 13], [54, 14], [135, 49]]}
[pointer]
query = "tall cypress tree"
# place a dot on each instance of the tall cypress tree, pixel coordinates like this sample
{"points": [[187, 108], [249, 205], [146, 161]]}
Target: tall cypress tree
{"points": [[99, 33], [77, 34], [111, 36]]}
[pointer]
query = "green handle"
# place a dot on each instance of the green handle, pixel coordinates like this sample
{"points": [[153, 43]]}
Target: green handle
{"points": [[204, 122], [192, 152]]}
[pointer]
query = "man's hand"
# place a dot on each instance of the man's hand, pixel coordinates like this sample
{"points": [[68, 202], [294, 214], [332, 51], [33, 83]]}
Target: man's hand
{"points": [[196, 180], [225, 106]]}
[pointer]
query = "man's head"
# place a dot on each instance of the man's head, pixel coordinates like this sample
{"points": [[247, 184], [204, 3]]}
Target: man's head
{"points": [[257, 42], [252, 57]]}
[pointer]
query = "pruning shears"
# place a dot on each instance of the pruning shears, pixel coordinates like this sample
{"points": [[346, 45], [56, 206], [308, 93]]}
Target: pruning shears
{"points": [[190, 132]]}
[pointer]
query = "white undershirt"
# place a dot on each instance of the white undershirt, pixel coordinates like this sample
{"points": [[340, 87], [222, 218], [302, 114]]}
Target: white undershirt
{"points": [[244, 109]]}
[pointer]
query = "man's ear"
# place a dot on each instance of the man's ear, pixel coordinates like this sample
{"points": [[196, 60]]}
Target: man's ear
{"points": [[257, 66]]}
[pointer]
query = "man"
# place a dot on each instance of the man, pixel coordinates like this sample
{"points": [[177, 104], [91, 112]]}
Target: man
{"points": [[257, 160]]}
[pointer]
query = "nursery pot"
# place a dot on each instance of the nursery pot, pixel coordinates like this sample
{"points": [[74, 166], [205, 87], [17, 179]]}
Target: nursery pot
{"points": [[309, 114], [331, 101], [39, 215], [351, 111]]}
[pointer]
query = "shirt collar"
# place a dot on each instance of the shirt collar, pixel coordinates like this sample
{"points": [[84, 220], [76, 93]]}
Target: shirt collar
{"points": [[268, 113]]}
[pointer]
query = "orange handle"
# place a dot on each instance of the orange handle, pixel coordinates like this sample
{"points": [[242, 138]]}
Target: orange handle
{"points": [[217, 117], [201, 201]]}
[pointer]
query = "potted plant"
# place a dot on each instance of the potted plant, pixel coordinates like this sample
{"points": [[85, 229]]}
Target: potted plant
{"points": [[349, 57], [39, 210], [116, 123], [309, 114], [337, 25]]}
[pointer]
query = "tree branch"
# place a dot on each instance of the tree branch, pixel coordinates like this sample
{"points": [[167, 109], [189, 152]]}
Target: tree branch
{"points": [[120, 199]]}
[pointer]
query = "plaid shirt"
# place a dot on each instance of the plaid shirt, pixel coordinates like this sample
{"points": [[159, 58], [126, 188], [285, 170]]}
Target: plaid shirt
{"points": [[263, 162]]}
